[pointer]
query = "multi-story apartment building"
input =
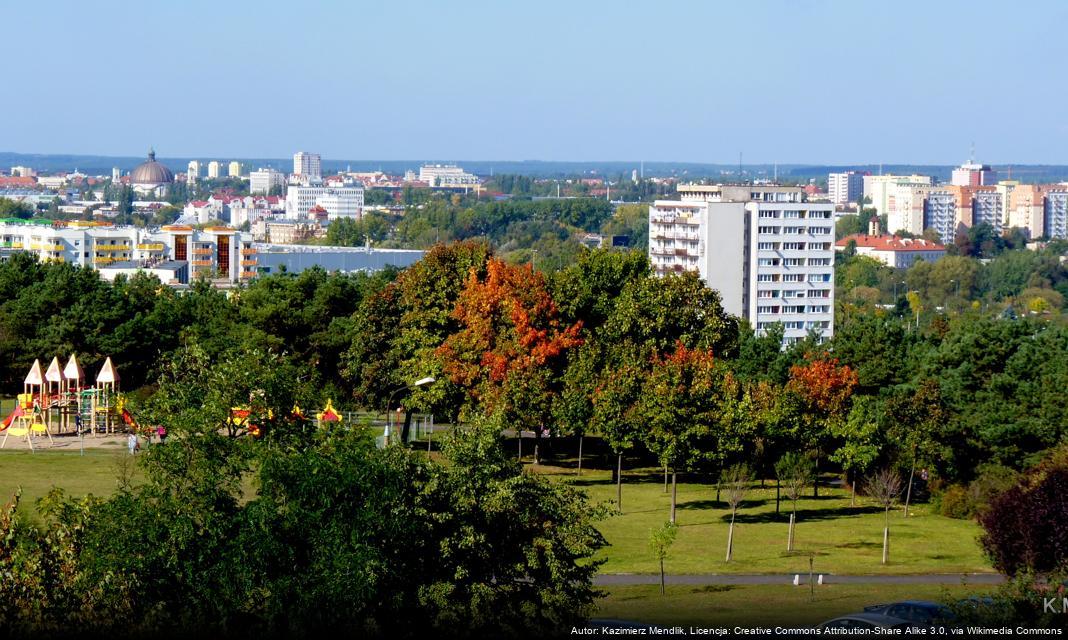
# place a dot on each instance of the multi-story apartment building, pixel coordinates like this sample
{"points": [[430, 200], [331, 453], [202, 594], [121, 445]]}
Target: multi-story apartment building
{"points": [[768, 252], [879, 189], [192, 172], [218, 252], [347, 201], [971, 174], [262, 181], [1056, 206], [845, 187], [988, 207], [309, 166], [1027, 209], [235, 169], [214, 169], [940, 214], [447, 176]]}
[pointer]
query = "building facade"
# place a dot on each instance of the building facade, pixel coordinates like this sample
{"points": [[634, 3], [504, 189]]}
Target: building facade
{"points": [[768, 251], [214, 169], [973, 175], [235, 169], [447, 176], [192, 172], [845, 187], [879, 188], [307, 165], [347, 201], [1056, 213], [262, 181]]}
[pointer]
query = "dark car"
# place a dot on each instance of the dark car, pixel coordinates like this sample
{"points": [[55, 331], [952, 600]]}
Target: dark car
{"points": [[918, 611], [865, 620]]}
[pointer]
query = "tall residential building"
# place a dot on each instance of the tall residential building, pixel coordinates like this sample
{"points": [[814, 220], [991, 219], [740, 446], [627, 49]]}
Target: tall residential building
{"points": [[263, 180], [214, 169], [1027, 209], [447, 176], [988, 207], [768, 252], [116, 173], [192, 173], [235, 169], [23, 172], [346, 201], [1057, 213], [307, 165], [940, 214], [846, 187], [879, 188], [971, 174]]}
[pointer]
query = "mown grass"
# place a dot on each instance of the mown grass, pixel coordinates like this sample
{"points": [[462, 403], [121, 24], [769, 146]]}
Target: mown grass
{"points": [[839, 538], [761, 605], [97, 472]]}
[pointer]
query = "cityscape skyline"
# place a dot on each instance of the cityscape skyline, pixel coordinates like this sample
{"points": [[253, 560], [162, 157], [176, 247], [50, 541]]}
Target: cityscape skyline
{"points": [[800, 84]]}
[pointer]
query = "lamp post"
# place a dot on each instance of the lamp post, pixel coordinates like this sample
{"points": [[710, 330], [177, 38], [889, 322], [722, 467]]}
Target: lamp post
{"points": [[389, 404]]}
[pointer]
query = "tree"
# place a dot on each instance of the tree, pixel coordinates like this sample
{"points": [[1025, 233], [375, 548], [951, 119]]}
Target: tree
{"points": [[737, 480], [885, 488], [660, 541], [859, 435], [1023, 528], [794, 472], [824, 389], [916, 416], [693, 411]]}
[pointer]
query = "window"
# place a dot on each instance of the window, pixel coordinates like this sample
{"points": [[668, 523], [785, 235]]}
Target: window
{"points": [[793, 246], [794, 262], [768, 262], [767, 309], [793, 293], [768, 246], [768, 230], [793, 215], [819, 277], [819, 262], [768, 277], [819, 293], [793, 230], [794, 324], [793, 277], [819, 231], [793, 309], [769, 214], [768, 293]]}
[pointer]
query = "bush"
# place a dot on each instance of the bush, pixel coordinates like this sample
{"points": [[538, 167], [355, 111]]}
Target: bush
{"points": [[1024, 526], [956, 502]]}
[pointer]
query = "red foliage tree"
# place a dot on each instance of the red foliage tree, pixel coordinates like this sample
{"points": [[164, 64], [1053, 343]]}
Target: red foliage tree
{"points": [[823, 389], [508, 352]]}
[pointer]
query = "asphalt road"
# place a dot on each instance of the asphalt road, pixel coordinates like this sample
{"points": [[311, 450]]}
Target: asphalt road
{"points": [[621, 579]]}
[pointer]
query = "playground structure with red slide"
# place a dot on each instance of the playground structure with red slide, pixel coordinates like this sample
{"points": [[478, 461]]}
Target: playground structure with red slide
{"points": [[61, 401]]}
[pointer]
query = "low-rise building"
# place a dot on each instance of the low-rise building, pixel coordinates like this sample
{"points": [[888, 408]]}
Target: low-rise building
{"points": [[262, 181], [447, 176], [891, 250]]}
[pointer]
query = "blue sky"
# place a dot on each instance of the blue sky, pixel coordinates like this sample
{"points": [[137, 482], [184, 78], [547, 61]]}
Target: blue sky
{"points": [[798, 81]]}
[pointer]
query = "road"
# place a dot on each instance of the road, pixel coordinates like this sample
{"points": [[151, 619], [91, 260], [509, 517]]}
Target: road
{"points": [[622, 579]]}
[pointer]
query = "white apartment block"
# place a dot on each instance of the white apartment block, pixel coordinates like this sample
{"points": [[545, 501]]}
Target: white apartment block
{"points": [[347, 201], [988, 207], [940, 214], [846, 187], [235, 169], [220, 253], [307, 165], [192, 172], [214, 169], [878, 188], [447, 176], [1057, 214], [263, 180], [768, 252]]}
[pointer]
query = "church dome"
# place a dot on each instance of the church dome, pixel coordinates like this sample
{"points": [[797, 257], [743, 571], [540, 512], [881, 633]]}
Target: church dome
{"points": [[151, 172]]}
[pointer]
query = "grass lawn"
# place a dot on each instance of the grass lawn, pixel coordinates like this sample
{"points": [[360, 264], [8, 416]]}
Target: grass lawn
{"points": [[841, 539], [761, 605], [96, 472]]}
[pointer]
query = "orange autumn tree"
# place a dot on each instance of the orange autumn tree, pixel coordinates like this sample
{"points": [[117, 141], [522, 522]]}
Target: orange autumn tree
{"points": [[510, 349], [822, 390]]}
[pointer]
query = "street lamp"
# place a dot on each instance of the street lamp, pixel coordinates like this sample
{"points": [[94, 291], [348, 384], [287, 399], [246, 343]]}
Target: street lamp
{"points": [[389, 404]]}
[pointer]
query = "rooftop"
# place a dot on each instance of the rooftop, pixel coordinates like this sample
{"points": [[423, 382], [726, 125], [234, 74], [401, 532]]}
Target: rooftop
{"points": [[890, 243]]}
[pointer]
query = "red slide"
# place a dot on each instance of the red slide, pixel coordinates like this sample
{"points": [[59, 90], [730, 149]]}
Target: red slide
{"points": [[10, 418], [128, 419]]}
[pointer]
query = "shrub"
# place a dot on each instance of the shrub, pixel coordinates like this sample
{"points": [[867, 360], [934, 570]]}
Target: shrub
{"points": [[956, 502], [1024, 525]]}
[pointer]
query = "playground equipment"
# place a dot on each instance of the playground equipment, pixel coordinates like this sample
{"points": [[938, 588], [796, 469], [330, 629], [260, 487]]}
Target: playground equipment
{"points": [[59, 400]]}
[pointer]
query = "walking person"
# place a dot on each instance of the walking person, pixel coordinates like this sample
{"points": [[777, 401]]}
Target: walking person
{"points": [[132, 444]]}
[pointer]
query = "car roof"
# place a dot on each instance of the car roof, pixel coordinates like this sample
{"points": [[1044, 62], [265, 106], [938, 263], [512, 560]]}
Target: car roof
{"points": [[874, 618]]}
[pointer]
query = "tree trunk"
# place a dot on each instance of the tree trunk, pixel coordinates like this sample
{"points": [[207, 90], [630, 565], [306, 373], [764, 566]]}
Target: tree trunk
{"points": [[908, 492], [537, 442], [730, 539], [519, 433], [665, 478], [886, 544], [661, 576], [853, 497], [581, 437], [816, 477], [619, 482], [790, 535], [674, 495], [778, 485]]}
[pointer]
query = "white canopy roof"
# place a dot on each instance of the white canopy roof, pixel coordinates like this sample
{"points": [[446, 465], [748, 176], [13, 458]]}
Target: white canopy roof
{"points": [[34, 376], [54, 374], [73, 370], [107, 373]]}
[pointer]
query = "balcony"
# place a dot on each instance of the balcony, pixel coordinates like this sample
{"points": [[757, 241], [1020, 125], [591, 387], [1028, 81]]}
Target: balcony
{"points": [[112, 247], [41, 246], [150, 246], [248, 274], [249, 263], [203, 252], [249, 251], [105, 260], [201, 263]]}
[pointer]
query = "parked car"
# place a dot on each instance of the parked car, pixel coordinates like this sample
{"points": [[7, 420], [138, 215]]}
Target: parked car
{"points": [[865, 621], [918, 611]]}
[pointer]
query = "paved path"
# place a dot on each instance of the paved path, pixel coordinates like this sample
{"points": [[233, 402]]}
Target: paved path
{"points": [[620, 579]]}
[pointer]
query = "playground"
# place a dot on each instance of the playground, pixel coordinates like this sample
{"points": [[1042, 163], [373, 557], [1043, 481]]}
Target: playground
{"points": [[59, 404]]}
